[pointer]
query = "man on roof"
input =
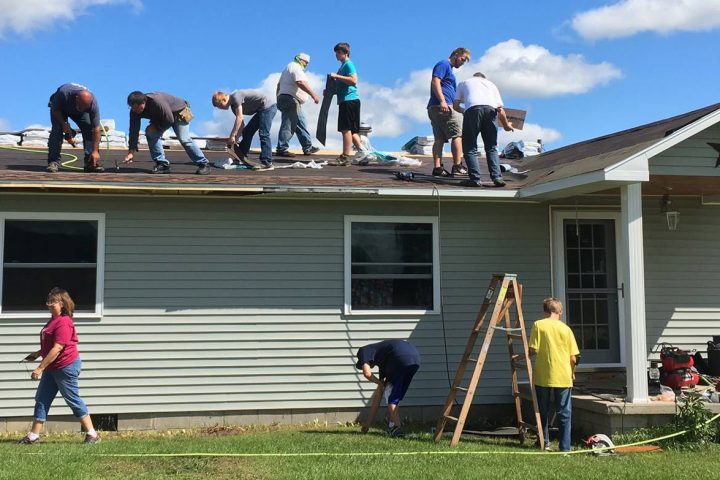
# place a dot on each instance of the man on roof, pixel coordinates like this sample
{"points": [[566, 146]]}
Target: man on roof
{"points": [[293, 89], [164, 111], [446, 123], [263, 110], [75, 101], [478, 99]]}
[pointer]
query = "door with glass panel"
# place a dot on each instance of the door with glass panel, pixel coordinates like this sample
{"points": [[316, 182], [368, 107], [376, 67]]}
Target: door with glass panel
{"points": [[590, 278]]}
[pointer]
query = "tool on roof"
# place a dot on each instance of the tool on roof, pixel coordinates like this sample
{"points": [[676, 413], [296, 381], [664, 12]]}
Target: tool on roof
{"points": [[70, 137], [509, 294], [407, 176]]}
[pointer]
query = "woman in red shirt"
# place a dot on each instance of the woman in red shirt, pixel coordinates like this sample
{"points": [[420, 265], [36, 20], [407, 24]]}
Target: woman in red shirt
{"points": [[60, 367]]}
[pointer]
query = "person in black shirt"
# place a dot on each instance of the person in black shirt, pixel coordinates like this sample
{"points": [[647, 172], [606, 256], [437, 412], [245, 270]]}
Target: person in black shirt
{"points": [[397, 361]]}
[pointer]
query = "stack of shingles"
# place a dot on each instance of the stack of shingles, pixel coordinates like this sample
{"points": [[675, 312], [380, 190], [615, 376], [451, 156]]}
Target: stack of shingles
{"points": [[10, 139]]}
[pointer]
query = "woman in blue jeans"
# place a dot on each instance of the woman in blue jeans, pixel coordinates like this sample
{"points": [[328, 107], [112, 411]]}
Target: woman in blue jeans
{"points": [[60, 367]]}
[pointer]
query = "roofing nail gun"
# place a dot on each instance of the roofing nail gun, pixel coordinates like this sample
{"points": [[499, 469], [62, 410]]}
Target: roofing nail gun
{"points": [[70, 137]]}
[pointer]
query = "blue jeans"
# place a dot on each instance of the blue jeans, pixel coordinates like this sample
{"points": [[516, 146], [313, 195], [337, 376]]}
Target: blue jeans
{"points": [[56, 136], [478, 120], [182, 131], [562, 397], [261, 121], [65, 381], [292, 121]]}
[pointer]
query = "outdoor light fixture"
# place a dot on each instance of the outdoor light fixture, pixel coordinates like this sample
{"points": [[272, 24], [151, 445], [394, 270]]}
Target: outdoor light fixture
{"points": [[672, 216]]}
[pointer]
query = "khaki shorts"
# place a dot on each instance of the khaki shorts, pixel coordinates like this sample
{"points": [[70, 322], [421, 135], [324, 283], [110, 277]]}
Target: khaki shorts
{"points": [[445, 125]]}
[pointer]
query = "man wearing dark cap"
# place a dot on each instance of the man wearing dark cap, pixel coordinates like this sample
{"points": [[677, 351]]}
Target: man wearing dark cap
{"points": [[74, 101], [397, 361]]}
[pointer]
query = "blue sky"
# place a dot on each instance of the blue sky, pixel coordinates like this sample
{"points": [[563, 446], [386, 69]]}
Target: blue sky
{"points": [[581, 69]]}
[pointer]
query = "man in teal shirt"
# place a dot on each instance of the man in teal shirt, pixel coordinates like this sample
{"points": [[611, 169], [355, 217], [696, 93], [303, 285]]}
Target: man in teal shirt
{"points": [[349, 104]]}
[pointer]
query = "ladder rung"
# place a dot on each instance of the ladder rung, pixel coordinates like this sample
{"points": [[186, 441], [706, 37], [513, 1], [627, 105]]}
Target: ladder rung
{"points": [[470, 359], [454, 419], [464, 389]]}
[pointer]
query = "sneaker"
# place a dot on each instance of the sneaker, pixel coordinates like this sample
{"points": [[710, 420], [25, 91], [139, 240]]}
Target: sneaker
{"points": [[341, 161], [161, 167], [26, 440], [53, 167], [459, 170], [203, 169], [285, 153], [91, 440], [440, 172], [470, 183], [499, 182], [264, 167], [311, 151], [395, 432]]}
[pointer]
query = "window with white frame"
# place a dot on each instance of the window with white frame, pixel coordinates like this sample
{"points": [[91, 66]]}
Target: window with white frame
{"points": [[391, 264], [41, 251]]}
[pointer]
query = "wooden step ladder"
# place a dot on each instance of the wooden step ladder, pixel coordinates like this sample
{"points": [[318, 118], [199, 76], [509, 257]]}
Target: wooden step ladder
{"points": [[510, 293]]}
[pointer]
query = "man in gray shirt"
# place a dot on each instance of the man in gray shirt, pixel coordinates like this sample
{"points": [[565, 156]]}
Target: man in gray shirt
{"points": [[163, 111], [263, 110]]}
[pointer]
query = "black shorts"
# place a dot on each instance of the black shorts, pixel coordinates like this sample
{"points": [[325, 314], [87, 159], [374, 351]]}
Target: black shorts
{"points": [[349, 116]]}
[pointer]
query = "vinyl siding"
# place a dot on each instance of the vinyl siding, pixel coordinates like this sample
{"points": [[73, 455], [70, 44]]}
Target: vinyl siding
{"points": [[692, 157], [236, 304], [682, 275]]}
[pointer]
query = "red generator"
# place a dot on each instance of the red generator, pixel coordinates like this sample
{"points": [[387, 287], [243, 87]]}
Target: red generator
{"points": [[676, 371]]}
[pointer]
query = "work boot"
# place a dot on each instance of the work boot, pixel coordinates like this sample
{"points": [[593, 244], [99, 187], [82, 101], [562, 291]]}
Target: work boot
{"points": [[395, 431], [203, 169], [284, 153], [53, 167], [161, 167], [311, 150], [91, 439], [459, 170]]}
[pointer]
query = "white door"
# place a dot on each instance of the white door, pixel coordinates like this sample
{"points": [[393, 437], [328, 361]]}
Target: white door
{"points": [[587, 279]]}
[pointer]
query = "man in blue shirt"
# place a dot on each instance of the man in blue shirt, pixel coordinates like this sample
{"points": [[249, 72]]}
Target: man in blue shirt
{"points": [[74, 101], [446, 123], [349, 104], [397, 362]]}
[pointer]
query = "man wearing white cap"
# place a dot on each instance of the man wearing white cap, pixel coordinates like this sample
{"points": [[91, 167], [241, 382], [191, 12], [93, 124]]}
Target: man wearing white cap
{"points": [[293, 89]]}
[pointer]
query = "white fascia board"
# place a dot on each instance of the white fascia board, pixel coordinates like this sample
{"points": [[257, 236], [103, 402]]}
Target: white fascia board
{"points": [[668, 142], [491, 193], [633, 169]]}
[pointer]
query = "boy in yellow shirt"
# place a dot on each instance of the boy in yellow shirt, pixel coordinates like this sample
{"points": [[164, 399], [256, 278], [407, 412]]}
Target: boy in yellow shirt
{"points": [[554, 344]]}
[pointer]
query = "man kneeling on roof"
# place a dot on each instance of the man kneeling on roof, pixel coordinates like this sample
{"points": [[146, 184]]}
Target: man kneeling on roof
{"points": [[164, 111], [397, 361], [75, 101], [263, 110]]}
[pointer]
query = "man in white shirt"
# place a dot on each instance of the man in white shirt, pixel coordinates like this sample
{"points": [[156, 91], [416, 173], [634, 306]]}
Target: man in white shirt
{"points": [[481, 105], [293, 89]]}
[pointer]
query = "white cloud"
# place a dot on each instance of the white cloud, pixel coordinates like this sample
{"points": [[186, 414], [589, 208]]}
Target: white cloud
{"points": [[26, 16], [399, 110], [533, 71], [629, 17]]}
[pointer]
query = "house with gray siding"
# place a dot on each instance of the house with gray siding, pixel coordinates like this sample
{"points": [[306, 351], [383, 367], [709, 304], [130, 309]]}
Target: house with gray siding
{"points": [[243, 297]]}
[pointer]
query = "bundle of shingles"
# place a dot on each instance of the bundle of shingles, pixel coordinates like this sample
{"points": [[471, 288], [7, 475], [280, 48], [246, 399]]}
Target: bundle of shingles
{"points": [[421, 145], [10, 139]]}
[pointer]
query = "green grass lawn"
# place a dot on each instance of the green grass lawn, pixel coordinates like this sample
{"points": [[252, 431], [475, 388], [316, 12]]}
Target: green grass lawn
{"points": [[64, 457]]}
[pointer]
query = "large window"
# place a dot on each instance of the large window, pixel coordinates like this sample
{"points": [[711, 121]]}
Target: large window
{"points": [[391, 264], [42, 251]]}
